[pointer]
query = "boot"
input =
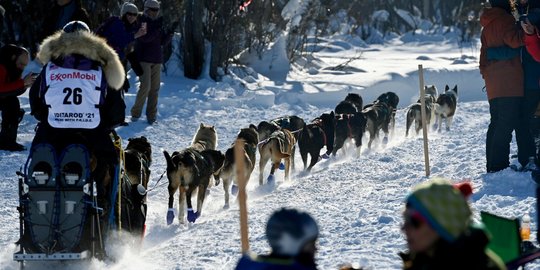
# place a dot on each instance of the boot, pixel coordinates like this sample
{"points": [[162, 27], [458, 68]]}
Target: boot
{"points": [[8, 137]]}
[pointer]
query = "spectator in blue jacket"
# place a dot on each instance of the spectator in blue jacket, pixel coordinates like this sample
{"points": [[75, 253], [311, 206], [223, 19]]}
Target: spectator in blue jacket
{"points": [[121, 32], [150, 54]]}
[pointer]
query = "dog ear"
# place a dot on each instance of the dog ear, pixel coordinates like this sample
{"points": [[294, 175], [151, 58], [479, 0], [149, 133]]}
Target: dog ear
{"points": [[253, 127], [455, 88], [129, 140], [446, 88]]}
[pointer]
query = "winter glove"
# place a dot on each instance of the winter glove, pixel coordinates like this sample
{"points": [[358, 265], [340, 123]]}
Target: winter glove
{"points": [[170, 216]]}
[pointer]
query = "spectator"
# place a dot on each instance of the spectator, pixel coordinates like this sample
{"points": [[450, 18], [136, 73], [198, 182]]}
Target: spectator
{"points": [[504, 84], [439, 231], [532, 43], [150, 54], [528, 159], [13, 60], [292, 235], [70, 110], [121, 32], [63, 12]]}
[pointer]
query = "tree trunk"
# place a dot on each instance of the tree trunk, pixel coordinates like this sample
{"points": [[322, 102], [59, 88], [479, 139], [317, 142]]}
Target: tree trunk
{"points": [[219, 41], [193, 39]]}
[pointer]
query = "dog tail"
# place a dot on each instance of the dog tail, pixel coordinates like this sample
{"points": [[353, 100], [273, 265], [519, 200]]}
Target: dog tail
{"points": [[170, 163]]}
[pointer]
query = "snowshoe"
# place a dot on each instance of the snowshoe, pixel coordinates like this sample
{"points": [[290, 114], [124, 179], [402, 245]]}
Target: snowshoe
{"points": [[73, 206], [40, 198]]}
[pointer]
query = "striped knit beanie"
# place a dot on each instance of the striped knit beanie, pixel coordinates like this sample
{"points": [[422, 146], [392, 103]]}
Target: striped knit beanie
{"points": [[443, 205]]}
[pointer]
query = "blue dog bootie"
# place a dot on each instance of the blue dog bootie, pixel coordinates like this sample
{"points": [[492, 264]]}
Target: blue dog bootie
{"points": [[271, 180], [385, 140], [281, 166], [170, 216], [325, 156], [234, 190], [192, 216]]}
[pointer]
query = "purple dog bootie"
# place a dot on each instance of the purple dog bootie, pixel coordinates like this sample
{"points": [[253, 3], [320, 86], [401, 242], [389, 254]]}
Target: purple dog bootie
{"points": [[325, 156], [170, 216], [234, 190], [281, 166], [191, 216]]}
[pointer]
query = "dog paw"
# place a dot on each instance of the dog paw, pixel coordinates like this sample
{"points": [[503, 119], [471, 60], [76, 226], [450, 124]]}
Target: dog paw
{"points": [[234, 190], [226, 206], [325, 156], [170, 216], [207, 193], [385, 140], [192, 216], [281, 166]]}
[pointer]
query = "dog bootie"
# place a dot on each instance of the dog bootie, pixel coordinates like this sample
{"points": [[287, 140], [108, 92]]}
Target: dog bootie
{"points": [[385, 140], [325, 156], [234, 190], [271, 180], [170, 216], [281, 166], [192, 216]]}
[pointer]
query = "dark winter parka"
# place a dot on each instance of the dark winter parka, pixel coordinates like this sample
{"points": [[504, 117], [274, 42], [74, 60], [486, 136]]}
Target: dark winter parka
{"points": [[148, 47], [74, 53], [58, 16], [118, 33], [503, 78], [467, 252]]}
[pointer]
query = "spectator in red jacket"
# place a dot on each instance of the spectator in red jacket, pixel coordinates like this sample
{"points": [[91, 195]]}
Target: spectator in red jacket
{"points": [[13, 60]]}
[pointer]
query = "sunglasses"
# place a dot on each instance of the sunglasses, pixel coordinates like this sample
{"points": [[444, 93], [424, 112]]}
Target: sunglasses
{"points": [[131, 14], [154, 9], [413, 220]]}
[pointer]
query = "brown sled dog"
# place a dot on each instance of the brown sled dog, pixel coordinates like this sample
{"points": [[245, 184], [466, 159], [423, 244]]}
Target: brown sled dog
{"points": [[228, 172], [280, 145]]}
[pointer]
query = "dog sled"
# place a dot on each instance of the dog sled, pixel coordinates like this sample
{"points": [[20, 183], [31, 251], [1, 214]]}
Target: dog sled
{"points": [[61, 217]]}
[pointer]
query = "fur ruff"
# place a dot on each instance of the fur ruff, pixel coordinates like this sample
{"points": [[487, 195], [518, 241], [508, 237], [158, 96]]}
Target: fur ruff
{"points": [[86, 44]]}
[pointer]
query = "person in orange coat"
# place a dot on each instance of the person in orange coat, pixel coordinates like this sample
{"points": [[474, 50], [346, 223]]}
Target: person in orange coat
{"points": [[13, 60], [504, 84]]}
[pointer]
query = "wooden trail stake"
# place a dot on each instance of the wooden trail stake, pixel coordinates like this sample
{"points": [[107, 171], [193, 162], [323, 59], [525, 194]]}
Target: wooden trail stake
{"points": [[242, 197], [423, 111]]}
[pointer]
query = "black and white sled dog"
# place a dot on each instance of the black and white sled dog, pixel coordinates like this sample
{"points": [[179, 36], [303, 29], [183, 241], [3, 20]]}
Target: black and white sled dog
{"points": [[414, 113], [349, 126], [447, 104], [352, 103], [378, 116], [349, 123], [392, 100], [191, 169], [316, 135], [228, 171]]}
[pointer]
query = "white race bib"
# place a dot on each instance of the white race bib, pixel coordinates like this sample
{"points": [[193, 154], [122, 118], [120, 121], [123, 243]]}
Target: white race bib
{"points": [[73, 97]]}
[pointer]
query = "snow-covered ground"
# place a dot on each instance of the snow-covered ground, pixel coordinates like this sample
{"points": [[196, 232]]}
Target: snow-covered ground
{"points": [[356, 201]]}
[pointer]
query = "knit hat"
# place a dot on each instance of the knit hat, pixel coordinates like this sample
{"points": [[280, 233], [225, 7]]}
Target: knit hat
{"points": [[444, 206], [128, 7], [151, 4]]}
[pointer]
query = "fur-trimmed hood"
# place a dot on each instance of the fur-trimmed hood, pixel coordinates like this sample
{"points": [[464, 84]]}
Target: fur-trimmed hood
{"points": [[86, 44]]}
